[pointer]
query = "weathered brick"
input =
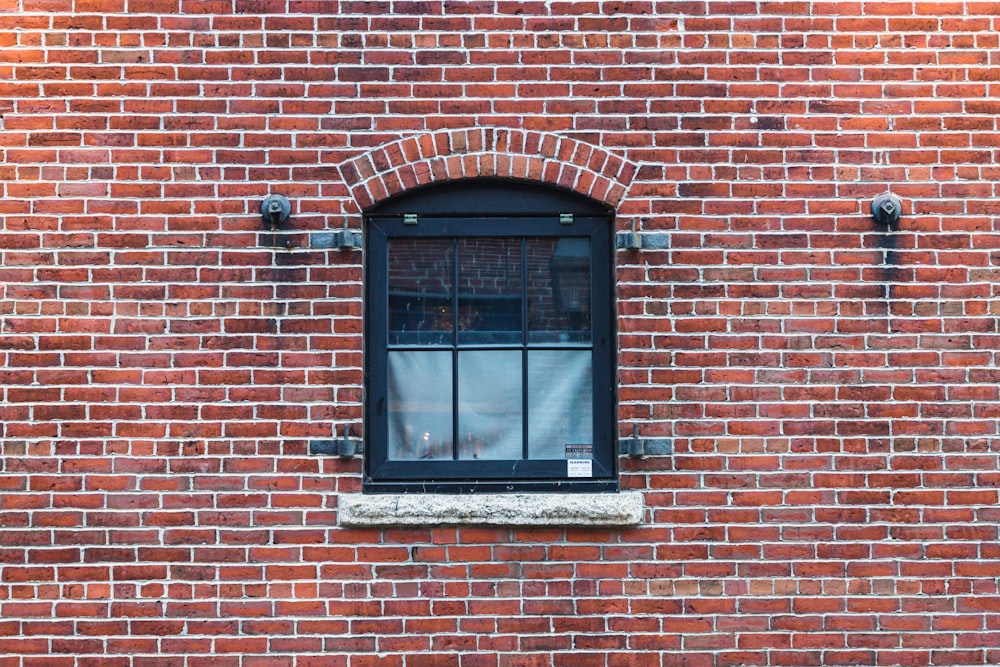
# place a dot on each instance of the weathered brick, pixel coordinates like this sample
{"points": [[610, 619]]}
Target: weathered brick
{"points": [[827, 385]]}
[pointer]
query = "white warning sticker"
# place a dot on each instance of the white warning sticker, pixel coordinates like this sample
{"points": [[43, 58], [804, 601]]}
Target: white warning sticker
{"points": [[579, 467]]}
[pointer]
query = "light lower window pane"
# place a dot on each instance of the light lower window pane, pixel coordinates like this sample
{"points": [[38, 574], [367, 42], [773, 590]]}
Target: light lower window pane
{"points": [[489, 290], [421, 277], [560, 404], [558, 290], [420, 418], [489, 404]]}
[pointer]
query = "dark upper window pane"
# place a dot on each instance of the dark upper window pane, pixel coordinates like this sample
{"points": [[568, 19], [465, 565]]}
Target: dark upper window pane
{"points": [[558, 290], [489, 290], [421, 276]]}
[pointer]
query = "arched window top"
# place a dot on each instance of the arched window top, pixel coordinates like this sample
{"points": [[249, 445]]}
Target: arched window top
{"points": [[489, 196]]}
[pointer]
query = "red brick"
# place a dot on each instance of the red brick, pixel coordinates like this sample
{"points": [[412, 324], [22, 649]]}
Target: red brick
{"points": [[827, 385]]}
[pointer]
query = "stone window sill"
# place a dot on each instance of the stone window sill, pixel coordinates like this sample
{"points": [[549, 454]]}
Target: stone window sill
{"points": [[499, 509]]}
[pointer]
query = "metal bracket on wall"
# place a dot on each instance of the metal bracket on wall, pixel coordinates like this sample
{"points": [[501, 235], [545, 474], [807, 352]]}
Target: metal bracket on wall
{"points": [[634, 447], [343, 239], [886, 209], [345, 447], [642, 240]]}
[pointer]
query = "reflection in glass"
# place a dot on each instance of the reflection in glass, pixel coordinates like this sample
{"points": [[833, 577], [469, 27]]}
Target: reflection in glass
{"points": [[420, 291], [489, 404], [558, 290], [486, 303], [560, 402], [489, 290], [420, 424]]}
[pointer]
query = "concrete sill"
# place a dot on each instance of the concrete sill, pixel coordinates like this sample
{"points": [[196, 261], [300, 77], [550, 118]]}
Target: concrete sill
{"points": [[498, 509]]}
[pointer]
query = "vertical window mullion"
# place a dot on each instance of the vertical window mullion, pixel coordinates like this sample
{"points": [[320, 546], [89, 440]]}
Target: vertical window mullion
{"points": [[454, 350], [524, 348]]}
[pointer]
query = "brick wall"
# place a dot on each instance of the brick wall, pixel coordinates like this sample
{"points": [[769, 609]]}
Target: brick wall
{"points": [[829, 385]]}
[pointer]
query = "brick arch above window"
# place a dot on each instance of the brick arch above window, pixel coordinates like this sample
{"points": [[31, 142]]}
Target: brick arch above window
{"points": [[483, 152]]}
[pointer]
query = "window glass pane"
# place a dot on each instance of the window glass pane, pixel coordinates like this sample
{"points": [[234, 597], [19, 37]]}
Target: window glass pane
{"points": [[420, 419], [560, 403], [489, 290], [420, 291], [558, 290], [489, 404]]}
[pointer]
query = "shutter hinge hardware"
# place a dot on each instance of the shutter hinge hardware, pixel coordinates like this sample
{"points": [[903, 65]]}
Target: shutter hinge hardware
{"points": [[345, 239], [345, 447], [634, 240], [565, 218], [409, 218], [629, 240], [636, 447]]}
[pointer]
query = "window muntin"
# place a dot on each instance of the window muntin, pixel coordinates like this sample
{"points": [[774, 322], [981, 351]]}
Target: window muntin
{"points": [[488, 352]]}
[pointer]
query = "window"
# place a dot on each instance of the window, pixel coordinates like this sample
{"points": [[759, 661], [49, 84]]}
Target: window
{"points": [[489, 340]]}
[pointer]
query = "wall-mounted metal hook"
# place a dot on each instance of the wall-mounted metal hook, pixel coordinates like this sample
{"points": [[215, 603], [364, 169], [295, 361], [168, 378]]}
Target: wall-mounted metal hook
{"points": [[345, 447], [635, 240], [635, 447], [628, 240], [274, 211], [886, 209], [345, 239], [631, 446]]}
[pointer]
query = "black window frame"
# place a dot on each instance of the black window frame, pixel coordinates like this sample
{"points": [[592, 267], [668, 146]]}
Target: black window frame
{"points": [[489, 208]]}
